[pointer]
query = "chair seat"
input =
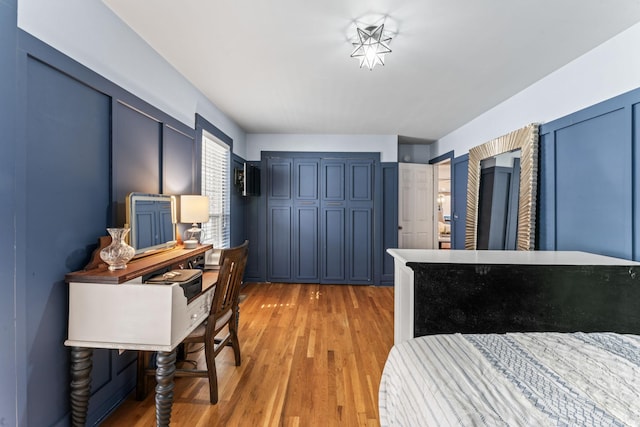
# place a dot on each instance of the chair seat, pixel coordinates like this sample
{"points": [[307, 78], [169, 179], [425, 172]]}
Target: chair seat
{"points": [[197, 335]]}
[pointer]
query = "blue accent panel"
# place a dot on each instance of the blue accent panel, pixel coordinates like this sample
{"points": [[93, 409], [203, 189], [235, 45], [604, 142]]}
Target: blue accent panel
{"points": [[588, 181], [546, 218], [11, 368], [460, 179], [67, 115], [360, 245], [389, 220], [280, 243], [67, 177], [178, 162], [136, 152], [603, 169], [588, 188], [305, 249], [238, 234], [255, 225], [333, 229], [635, 140]]}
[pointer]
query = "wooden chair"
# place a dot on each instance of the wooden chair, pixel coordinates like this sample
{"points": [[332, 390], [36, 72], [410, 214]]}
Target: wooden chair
{"points": [[223, 314]]}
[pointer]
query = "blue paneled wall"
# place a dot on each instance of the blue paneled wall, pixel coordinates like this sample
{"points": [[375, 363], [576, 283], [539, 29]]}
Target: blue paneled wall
{"points": [[85, 144], [589, 183], [9, 390]]}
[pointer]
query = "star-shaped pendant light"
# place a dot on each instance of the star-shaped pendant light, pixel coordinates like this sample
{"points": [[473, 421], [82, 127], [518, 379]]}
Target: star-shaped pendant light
{"points": [[371, 47]]}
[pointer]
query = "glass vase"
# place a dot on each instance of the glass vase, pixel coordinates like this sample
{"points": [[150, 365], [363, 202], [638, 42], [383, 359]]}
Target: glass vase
{"points": [[118, 253]]}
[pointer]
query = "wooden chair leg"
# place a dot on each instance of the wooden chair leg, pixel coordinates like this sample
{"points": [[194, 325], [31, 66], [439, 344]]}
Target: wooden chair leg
{"points": [[213, 377], [235, 344]]}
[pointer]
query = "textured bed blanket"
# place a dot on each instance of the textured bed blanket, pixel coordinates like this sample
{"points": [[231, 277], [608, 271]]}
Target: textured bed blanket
{"points": [[518, 379]]}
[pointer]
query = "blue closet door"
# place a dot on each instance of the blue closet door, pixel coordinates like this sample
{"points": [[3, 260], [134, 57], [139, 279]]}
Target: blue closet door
{"points": [[280, 219], [305, 227], [333, 225], [333, 229], [360, 225]]}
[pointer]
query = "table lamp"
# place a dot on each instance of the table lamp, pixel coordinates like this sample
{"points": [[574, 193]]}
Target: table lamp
{"points": [[194, 210]]}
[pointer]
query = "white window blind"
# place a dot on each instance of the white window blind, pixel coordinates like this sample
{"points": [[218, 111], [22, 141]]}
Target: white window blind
{"points": [[215, 184]]}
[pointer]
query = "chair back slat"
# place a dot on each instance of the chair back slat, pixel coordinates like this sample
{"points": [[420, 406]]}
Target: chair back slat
{"points": [[229, 281]]}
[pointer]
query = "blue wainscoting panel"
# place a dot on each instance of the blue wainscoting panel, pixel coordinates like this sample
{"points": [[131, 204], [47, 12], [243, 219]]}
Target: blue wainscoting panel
{"points": [[136, 155], [389, 219], [593, 186], [67, 207], [9, 371], [460, 177], [237, 209], [255, 229], [178, 162], [587, 178]]}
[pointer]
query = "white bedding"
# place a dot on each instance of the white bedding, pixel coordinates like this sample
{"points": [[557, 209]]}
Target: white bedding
{"points": [[520, 379]]}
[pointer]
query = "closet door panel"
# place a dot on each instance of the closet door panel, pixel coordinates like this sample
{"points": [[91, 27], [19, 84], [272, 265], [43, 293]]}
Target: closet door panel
{"points": [[360, 245], [306, 244], [333, 245], [361, 180], [333, 180], [280, 227], [306, 179], [279, 179]]}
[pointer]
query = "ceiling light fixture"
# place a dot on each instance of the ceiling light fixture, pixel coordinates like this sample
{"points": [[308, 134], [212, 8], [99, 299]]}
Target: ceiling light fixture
{"points": [[372, 46]]}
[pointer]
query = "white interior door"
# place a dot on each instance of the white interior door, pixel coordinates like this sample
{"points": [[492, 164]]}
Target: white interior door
{"points": [[416, 212]]}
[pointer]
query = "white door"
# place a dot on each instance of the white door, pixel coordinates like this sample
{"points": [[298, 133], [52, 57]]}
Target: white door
{"points": [[416, 212]]}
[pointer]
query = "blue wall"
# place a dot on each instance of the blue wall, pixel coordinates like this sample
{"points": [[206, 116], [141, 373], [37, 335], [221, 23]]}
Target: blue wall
{"points": [[82, 146], [589, 181], [9, 390]]}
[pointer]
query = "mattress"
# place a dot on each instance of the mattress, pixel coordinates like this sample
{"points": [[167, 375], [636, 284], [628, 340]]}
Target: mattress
{"points": [[516, 379]]}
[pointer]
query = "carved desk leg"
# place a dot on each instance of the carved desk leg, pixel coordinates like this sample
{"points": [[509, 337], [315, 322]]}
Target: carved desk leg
{"points": [[165, 370], [81, 364]]}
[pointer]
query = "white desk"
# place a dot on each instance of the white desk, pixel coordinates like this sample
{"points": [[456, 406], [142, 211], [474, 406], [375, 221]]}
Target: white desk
{"points": [[116, 310]]}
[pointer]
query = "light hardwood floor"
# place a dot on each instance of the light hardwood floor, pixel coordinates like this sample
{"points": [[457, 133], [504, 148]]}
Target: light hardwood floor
{"points": [[312, 355]]}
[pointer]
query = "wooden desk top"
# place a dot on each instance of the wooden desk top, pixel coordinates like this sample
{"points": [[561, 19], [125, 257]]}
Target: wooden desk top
{"points": [[137, 267]]}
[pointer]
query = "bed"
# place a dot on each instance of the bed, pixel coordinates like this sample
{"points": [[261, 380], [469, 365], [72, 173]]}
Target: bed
{"points": [[514, 379], [525, 344]]}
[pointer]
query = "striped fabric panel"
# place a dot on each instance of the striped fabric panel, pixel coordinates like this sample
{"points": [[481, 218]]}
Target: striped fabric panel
{"points": [[512, 380]]}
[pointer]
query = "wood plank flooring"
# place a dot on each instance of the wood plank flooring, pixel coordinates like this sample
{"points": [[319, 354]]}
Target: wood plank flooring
{"points": [[312, 355]]}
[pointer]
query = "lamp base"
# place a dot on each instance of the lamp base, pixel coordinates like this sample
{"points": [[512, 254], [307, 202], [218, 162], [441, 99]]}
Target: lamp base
{"points": [[190, 244]]}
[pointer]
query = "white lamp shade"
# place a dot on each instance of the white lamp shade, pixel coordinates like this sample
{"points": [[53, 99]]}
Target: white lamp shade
{"points": [[194, 209]]}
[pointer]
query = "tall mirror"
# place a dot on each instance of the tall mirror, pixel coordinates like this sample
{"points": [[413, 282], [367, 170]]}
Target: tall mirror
{"points": [[501, 192]]}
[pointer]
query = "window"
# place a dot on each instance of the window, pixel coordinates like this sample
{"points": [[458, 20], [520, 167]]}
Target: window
{"points": [[215, 184]]}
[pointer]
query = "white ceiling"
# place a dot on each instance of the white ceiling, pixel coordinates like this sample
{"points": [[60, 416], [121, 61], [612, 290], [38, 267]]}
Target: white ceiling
{"points": [[283, 66]]}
